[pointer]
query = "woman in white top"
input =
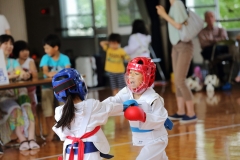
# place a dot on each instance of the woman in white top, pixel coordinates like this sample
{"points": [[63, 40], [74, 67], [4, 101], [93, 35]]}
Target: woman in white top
{"points": [[138, 41]]}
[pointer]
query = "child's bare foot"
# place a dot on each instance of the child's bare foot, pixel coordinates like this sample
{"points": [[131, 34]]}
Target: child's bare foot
{"points": [[50, 123], [237, 79], [50, 136], [238, 101]]}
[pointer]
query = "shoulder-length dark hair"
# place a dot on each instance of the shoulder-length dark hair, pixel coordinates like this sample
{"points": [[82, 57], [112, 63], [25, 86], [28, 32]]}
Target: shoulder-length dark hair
{"points": [[5, 38], [138, 26], [18, 47]]}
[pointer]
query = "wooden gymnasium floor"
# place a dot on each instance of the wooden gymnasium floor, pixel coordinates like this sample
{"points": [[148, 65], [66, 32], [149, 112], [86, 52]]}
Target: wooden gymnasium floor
{"points": [[215, 136]]}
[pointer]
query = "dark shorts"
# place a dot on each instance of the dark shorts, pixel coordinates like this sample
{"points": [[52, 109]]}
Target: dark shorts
{"points": [[117, 80]]}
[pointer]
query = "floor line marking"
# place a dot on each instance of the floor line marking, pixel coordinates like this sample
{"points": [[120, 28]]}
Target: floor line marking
{"points": [[206, 130], [169, 136], [49, 157]]}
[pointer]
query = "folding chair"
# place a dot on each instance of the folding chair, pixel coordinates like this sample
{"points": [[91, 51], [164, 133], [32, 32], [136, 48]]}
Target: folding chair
{"points": [[223, 58], [157, 61]]}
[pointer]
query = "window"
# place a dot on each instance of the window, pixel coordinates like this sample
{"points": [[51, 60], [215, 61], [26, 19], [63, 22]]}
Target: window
{"points": [[81, 17], [89, 17], [201, 6], [100, 13], [230, 11], [227, 12], [127, 12]]}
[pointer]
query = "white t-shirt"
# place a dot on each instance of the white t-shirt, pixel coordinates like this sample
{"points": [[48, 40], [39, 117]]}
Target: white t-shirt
{"points": [[26, 64], [138, 45], [4, 25]]}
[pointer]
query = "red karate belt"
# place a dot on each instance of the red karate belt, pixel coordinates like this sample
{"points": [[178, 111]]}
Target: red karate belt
{"points": [[80, 144]]}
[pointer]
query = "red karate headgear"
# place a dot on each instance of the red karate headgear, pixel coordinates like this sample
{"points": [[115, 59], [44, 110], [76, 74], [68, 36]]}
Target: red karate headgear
{"points": [[147, 68]]}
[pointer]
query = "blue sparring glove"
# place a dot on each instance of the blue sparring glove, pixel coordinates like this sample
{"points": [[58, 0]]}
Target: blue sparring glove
{"points": [[168, 124], [128, 103]]}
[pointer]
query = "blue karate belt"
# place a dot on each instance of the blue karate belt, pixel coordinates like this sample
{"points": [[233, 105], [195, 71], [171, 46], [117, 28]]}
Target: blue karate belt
{"points": [[135, 129], [168, 124], [88, 148]]}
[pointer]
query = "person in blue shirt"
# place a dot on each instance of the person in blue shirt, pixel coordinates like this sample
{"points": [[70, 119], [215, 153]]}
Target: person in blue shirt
{"points": [[52, 62]]}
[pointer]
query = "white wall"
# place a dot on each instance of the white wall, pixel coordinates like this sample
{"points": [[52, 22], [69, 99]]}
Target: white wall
{"points": [[15, 13]]}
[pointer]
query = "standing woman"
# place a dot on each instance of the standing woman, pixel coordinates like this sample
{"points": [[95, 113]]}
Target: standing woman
{"points": [[138, 41], [182, 53]]}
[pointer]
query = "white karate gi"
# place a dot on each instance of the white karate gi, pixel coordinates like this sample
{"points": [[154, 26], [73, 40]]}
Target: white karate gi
{"points": [[89, 114], [154, 141]]}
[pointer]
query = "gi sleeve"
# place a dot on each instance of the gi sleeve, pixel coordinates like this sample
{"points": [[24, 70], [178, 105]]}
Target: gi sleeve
{"points": [[102, 110], [156, 117]]}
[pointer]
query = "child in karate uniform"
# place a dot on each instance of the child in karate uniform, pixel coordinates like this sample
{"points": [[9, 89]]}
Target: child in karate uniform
{"points": [[147, 120], [79, 119]]}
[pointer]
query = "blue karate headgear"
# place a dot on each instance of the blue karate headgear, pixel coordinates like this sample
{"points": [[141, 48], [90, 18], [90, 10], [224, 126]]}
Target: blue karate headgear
{"points": [[69, 80]]}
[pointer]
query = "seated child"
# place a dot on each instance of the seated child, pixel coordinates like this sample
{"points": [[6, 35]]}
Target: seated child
{"points": [[21, 52], [79, 119], [51, 63], [148, 127], [8, 101]]}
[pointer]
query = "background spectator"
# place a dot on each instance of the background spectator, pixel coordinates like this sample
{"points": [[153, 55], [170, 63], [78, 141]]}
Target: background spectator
{"points": [[114, 63], [19, 117], [182, 53], [21, 52], [4, 25], [52, 62], [208, 37], [138, 41]]}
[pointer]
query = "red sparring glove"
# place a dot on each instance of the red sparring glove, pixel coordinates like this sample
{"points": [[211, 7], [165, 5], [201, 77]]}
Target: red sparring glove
{"points": [[134, 113]]}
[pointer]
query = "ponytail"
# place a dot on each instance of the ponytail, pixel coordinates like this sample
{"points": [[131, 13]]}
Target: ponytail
{"points": [[68, 113]]}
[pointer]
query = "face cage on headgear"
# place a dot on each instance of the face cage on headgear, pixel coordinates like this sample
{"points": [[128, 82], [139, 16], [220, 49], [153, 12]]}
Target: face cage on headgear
{"points": [[147, 69], [140, 89], [74, 83]]}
